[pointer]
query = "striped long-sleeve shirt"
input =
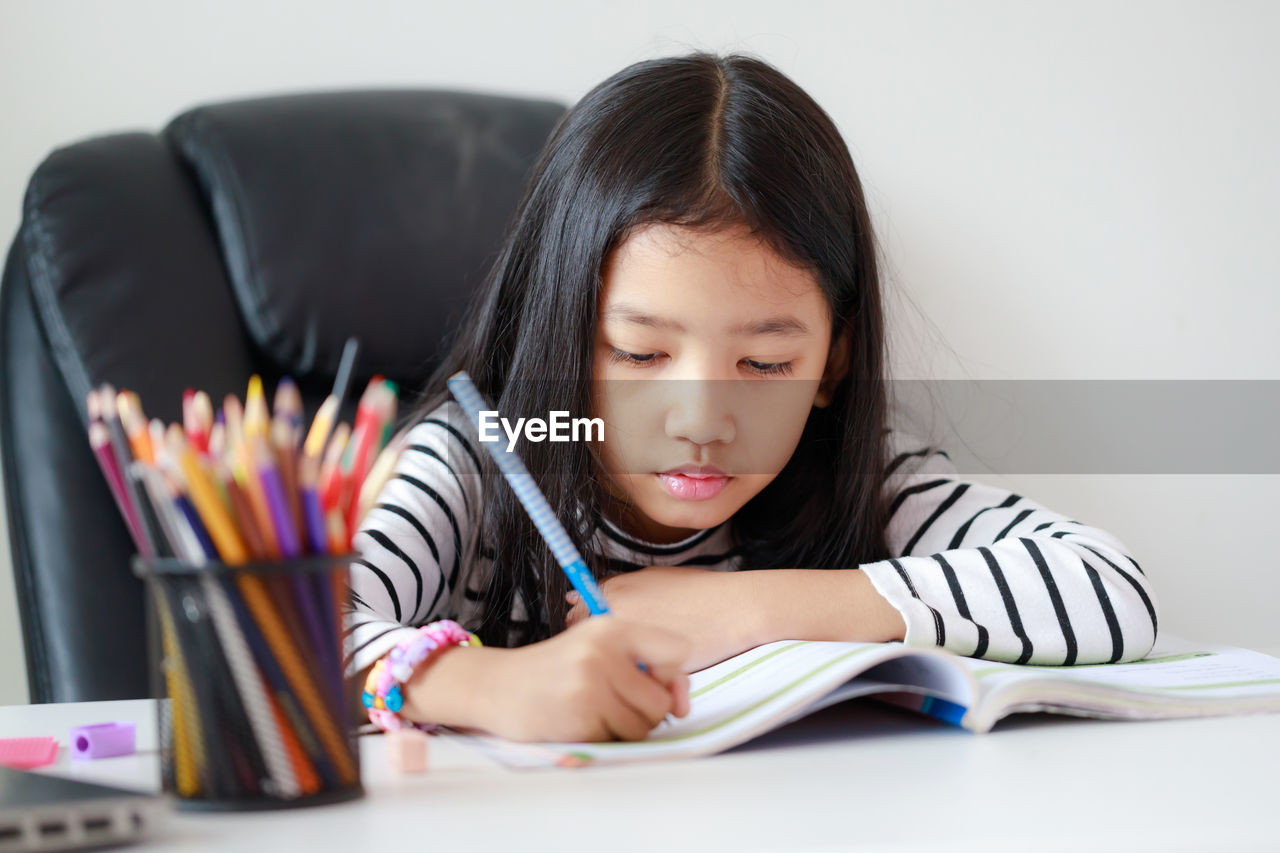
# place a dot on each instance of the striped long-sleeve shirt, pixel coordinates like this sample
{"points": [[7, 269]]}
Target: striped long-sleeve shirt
{"points": [[976, 569]]}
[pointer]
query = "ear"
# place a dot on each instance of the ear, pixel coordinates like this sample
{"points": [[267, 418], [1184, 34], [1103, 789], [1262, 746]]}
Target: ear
{"points": [[837, 367]]}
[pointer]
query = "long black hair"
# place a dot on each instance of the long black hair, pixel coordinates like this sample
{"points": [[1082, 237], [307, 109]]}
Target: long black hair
{"points": [[702, 141]]}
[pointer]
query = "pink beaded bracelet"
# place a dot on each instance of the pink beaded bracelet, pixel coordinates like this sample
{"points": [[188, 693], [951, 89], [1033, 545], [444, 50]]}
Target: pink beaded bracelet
{"points": [[382, 696]]}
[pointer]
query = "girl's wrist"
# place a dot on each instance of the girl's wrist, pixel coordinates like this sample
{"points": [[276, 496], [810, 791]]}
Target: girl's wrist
{"points": [[450, 687]]}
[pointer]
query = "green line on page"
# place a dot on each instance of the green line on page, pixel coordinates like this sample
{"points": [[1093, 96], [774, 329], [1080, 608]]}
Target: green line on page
{"points": [[731, 675]]}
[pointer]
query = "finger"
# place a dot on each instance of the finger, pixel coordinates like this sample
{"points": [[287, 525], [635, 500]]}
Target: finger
{"points": [[679, 687], [649, 696], [623, 720], [575, 615], [663, 652]]}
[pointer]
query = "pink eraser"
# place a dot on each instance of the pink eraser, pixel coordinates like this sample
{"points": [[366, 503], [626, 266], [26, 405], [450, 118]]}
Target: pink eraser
{"points": [[408, 750], [25, 753], [103, 740]]}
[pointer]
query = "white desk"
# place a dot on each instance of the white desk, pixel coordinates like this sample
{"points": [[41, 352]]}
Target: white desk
{"points": [[858, 776]]}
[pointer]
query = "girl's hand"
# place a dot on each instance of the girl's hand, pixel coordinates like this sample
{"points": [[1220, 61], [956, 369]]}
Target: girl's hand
{"points": [[580, 685], [709, 608]]}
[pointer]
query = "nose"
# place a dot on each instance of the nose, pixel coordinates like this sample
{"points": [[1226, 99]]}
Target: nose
{"points": [[698, 411]]}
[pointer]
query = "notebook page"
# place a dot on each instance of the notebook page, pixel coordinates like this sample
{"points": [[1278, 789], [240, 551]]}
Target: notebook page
{"points": [[732, 702], [1177, 678]]}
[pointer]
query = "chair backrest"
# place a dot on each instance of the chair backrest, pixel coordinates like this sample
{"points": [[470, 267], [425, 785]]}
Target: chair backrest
{"points": [[246, 237]]}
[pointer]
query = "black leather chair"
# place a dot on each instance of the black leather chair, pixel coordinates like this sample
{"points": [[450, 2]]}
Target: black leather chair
{"points": [[252, 236]]}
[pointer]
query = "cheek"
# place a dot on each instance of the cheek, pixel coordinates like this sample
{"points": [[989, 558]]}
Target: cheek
{"points": [[632, 412], [772, 417], [619, 454]]}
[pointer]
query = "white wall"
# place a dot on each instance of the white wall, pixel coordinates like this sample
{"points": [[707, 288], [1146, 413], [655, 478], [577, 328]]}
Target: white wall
{"points": [[1064, 189]]}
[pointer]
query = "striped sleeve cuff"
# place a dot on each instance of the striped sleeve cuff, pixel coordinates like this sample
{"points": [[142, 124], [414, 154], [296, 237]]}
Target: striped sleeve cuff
{"points": [[923, 628]]}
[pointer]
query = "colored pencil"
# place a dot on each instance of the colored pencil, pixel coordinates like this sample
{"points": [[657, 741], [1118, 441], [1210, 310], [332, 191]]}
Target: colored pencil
{"points": [[321, 427], [241, 510], [379, 474], [323, 423], [135, 427], [201, 422], [330, 482], [273, 489], [120, 448], [101, 444], [242, 467], [214, 514], [286, 456], [256, 417], [155, 432], [358, 457], [288, 407]]}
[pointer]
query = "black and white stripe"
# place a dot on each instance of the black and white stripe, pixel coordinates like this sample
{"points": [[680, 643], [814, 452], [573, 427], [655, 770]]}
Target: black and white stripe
{"points": [[1010, 579]]}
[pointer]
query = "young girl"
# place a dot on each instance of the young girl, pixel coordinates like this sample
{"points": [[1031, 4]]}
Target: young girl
{"points": [[697, 222]]}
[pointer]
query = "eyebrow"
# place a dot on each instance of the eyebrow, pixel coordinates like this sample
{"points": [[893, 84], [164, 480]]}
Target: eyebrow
{"points": [[783, 324]]}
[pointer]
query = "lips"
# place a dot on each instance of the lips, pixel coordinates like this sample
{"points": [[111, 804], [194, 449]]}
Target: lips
{"points": [[693, 482], [698, 471]]}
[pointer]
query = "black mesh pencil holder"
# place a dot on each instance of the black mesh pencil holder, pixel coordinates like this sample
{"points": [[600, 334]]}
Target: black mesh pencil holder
{"points": [[248, 664]]}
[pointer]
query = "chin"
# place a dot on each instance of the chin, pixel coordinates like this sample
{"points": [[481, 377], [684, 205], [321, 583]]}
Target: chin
{"points": [[699, 515]]}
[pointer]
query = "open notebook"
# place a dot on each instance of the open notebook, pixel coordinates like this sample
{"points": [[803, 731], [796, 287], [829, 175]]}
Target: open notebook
{"points": [[771, 685]]}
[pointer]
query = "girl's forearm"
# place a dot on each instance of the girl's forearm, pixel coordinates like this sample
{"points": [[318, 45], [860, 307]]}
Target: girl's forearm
{"points": [[809, 604]]}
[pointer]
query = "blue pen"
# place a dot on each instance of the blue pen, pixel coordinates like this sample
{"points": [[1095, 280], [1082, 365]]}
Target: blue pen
{"points": [[531, 498]]}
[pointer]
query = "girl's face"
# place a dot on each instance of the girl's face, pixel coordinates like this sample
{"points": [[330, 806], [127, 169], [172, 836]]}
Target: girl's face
{"points": [[735, 344]]}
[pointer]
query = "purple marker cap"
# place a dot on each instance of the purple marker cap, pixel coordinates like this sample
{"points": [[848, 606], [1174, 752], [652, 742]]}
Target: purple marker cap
{"points": [[104, 740]]}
